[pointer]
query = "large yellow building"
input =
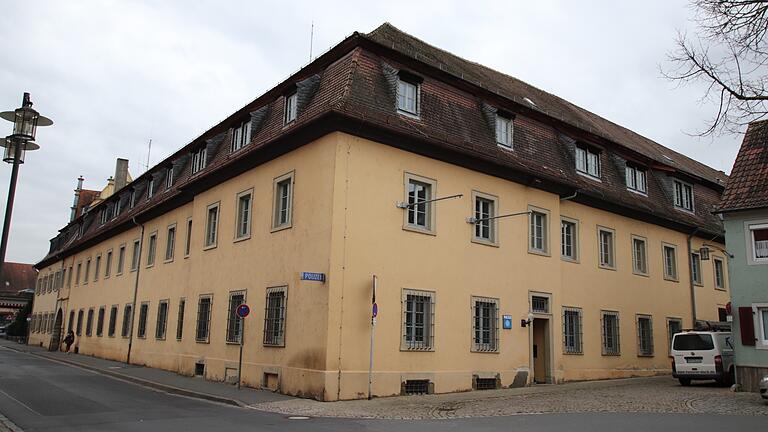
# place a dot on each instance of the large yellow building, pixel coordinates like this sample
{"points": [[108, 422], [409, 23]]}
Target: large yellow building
{"points": [[511, 237]]}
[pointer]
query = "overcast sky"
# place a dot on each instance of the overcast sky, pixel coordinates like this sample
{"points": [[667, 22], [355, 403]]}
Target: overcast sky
{"points": [[113, 75]]}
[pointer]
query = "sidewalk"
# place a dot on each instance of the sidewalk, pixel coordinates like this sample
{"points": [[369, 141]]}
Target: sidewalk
{"points": [[159, 379]]}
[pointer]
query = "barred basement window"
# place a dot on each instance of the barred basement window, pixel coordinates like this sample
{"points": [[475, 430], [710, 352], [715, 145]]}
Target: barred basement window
{"points": [[141, 331], [162, 319], [274, 317], [644, 335], [416, 387], [418, 320], [610, 333], [127, 320], [89, 323], [485, 326], [180, 319], [572, 331], [100, 322], [203, 318], [234, 322], [112, 321]]}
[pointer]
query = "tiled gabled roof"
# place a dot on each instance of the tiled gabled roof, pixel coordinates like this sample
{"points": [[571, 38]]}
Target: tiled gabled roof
{"points": [[748, 185], [17, 277]]}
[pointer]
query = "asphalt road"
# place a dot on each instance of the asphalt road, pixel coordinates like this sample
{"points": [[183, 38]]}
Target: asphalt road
{"points": [[42, 395]]}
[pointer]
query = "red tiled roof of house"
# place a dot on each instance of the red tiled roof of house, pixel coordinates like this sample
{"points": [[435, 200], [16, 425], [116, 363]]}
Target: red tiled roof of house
{"points": [[17, 277], [748, 185], [86, 198]]}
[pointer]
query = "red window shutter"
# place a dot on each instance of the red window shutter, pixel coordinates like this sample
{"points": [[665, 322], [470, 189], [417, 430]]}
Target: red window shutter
{"points": [[746, 326]]}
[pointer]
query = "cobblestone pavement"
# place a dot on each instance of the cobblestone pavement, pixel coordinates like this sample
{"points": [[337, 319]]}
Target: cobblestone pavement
{"points": [[643, 395]]}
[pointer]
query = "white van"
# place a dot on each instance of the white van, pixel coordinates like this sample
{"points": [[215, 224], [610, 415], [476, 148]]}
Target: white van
{"points": [[702, 355]]}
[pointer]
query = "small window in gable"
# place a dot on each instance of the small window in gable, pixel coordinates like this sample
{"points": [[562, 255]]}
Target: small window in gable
{"points": [[636, 179], [199, 159], [588, 161], [683, 195], [504, 131], [408, 92], [169, 178], [290, 108], [241, 135]]}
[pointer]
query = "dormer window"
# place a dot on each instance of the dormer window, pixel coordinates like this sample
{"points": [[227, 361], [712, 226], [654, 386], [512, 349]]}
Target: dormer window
{"points": [[588, 161], [118, 208], [408, 96], [504, 131], [290, 108], [241, 136], [151, 189], [132, 202], [636, 179], [169, 178], [683, 195], [198, 159]]}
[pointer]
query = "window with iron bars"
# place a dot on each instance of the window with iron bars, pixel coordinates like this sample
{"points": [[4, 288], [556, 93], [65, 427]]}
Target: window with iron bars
{"points": [[539, 304], [203, 319], [572, 331], [127, 320], [180, 319], [162, 319], [234, 322], [112, 321], [610, 333], [274, 317], [418, 320], [485, 326], [141, 331], [644, 335]]}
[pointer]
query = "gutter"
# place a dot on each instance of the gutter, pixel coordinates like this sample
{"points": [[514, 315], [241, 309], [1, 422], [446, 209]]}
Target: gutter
{"points": [[690, 276], [135, 291]]}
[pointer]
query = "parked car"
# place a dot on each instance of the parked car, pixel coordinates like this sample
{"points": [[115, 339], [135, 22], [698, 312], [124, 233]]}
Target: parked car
{"points": [[764, 388], [702, 355]]}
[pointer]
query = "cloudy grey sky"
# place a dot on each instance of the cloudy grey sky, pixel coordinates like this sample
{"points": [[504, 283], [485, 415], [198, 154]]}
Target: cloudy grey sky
{"points": [[113, 74]]}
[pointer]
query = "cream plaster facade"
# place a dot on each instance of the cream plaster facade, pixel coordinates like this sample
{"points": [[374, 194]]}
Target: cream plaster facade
{"points": [[345, 224]]}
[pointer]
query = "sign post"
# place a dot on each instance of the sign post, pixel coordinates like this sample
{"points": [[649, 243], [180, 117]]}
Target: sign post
{"points": [[242, 311], [374, 313]]}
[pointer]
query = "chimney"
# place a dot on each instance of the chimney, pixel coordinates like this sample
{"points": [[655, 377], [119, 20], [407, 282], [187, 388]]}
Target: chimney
{"points": [[73, 213], [121, 173]]}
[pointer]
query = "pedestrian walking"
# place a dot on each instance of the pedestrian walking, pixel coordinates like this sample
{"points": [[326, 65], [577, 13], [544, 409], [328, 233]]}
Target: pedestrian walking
{"points": [[69, 340]]}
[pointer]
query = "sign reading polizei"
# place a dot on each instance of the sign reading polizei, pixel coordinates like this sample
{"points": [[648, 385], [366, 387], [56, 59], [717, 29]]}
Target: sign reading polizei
{"points": [[310, 276]]}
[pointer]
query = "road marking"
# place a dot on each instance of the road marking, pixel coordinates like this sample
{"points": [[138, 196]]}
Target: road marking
{"points": [[20, 403], [298, 418]]}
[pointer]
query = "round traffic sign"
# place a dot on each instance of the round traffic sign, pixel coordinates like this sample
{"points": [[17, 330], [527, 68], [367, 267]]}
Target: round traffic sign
{"points": [[243, 310], [375, 310]]}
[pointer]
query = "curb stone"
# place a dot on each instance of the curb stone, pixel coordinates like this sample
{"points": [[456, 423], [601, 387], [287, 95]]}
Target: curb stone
{"points": [[142, 382], [6, 425]]}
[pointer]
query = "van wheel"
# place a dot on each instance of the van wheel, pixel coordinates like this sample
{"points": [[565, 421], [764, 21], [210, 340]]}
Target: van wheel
{"points": [[685, 382]]}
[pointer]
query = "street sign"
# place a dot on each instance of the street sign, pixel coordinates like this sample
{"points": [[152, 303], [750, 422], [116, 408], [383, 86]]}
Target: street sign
{"points": [[243, 310], [310, 276], [375, 310], [507, 321]]}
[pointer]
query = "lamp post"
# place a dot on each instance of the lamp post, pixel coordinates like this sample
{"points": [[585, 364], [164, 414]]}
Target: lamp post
{"points": [[25, 122]]}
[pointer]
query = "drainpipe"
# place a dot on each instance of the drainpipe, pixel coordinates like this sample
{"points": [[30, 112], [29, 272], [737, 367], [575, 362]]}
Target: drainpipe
{"points": [[135, 291], [690, 277]]}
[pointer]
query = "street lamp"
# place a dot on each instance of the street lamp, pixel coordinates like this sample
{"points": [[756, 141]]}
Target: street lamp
{"points": [[25, 122]]}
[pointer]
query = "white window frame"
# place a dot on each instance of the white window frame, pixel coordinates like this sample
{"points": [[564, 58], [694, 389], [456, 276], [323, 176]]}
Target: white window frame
{"points": [[749, 233], [761, 336], [108, 264], [290, 111], [683, 197], [637, 179], [504, 131], [574, 223], [491, 225], [636, 269], [696, 273], [404, 86], [667, 275], [188, 238], [151, 248], [641, 353], [610, 263], [170, 243], [136, 255], [169, 178], [721, 283], [533, 248], [161, 326], [120, 259], [199, 159], [87, 270], [588, 162], [211, 234], [96, 268], [278, 201], [493, 345], [428, 336], [605, 350], [429, 209], [241, 136], [577, 345], [151, 188], [244, 216]]}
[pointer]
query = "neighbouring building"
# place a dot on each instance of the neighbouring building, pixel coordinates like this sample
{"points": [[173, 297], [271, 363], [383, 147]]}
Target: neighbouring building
{"points": [[745, 213], [16, 289], [513, 237]]}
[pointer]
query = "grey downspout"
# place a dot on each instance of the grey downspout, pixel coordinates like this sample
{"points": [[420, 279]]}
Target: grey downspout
{"points": [[690, 277], [135, 291]]}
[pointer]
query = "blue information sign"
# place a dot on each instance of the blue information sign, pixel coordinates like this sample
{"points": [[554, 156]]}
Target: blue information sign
{"points": [[507, 321], [318, 277], [243, 310]]}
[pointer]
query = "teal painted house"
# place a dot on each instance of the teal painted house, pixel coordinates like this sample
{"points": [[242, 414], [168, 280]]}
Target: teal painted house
{"points": [[745, 213]]}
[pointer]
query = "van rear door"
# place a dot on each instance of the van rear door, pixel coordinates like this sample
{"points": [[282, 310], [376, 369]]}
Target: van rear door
{"points": [[694, 353]]}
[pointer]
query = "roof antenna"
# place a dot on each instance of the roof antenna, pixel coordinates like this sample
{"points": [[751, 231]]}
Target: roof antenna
{"points": [[311, 40], [149, 152]]}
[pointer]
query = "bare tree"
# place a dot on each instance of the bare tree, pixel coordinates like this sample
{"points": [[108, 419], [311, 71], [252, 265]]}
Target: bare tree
{"points": [[730, 56]]}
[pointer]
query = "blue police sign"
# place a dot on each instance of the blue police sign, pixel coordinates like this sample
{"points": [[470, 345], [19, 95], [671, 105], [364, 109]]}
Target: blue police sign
{"points": [[507, 321], [243, 310], [317, 277]]}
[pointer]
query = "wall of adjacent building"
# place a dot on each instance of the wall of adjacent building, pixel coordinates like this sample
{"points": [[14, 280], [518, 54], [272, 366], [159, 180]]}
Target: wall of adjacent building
{"points": [[749, 285], [369, 239]]}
